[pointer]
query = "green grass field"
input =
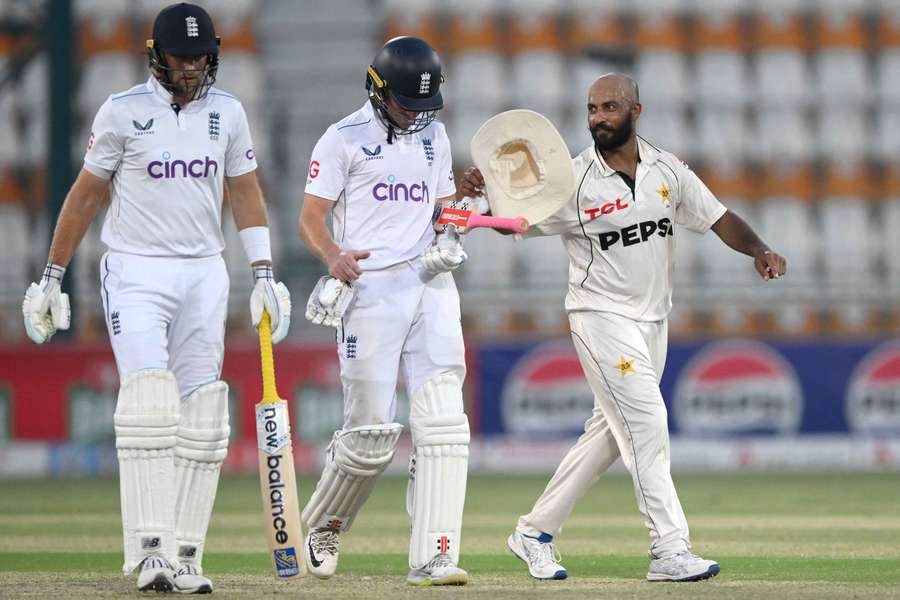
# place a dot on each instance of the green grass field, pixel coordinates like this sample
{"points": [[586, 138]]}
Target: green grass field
{"points": [[785, 536]]}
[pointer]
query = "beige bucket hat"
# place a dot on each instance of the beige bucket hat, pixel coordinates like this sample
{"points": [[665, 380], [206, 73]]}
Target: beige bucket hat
{"points": [[525, 163]]}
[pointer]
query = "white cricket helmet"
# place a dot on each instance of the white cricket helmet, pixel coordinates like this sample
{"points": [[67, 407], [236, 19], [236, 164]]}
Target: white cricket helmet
{"points": [[525, 163]]}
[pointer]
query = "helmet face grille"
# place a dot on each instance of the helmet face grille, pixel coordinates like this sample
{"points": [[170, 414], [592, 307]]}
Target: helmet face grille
{"points": [[396, 120], [163, 73]]}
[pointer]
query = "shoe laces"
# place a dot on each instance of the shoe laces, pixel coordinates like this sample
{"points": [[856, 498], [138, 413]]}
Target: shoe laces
{"points": [[439, 561], [325, 541], [188, 569], [541, 553], [155, 561]]}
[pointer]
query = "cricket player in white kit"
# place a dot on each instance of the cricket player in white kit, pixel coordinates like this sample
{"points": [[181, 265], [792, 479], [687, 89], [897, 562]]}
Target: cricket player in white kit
{"points": [[619, 231], [163, 151], [380, 173]]}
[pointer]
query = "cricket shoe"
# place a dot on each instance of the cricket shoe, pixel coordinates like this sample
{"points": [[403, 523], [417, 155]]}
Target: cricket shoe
{"points": [[682, 567], [539, 554], [189, 579], [156, 575], [440, 570], [322, 549]]}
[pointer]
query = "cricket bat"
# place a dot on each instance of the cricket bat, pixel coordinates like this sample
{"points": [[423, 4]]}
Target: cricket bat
{"points": [[277, 480], [470, 220]]}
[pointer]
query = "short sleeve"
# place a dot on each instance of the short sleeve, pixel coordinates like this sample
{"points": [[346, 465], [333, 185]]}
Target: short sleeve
{"points": [[106, 145], [697, 208], [329, 166], [240, 157], [446, 184]]}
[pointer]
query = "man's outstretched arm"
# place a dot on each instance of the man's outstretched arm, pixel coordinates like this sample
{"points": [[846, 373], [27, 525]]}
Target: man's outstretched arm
{"points": [[735, 232]]}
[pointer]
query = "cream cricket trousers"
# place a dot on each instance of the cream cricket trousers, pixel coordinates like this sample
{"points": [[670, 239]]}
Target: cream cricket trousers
{"points": [[403, 318], [166, 313], [623, 361]]}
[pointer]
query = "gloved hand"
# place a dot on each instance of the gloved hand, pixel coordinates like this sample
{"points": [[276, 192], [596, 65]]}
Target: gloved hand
{"points": [[45, 308], [329, 301], [274, 298], [446, 253]]}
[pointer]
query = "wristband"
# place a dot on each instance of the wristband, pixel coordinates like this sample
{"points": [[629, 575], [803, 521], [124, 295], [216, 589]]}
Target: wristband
{"points": [[53, 273], [263, 272], [256, 243]]}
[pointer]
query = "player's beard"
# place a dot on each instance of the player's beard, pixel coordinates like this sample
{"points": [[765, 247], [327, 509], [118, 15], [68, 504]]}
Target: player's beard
{"points": [[608, 138]]}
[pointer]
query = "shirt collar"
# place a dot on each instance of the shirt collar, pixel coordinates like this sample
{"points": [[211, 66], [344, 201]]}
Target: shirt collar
{"points": [[647, 155]]}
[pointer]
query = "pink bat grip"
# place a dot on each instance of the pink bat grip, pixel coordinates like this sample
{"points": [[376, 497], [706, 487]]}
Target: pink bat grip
{"points": [[516, 224]]}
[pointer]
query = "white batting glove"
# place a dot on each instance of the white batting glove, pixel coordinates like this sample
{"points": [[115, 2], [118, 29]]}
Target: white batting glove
{"points": [[274, 298], [329, 301], [45, 308], [446, 254]]}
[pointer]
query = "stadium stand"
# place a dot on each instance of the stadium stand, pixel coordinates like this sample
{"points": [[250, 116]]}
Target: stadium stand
{"points": [[790, 110]]}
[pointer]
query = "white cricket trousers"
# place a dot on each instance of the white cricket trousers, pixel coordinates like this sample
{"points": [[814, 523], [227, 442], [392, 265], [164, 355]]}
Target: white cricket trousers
{"points": [[402, 318], [623, 361], [166, 313]]}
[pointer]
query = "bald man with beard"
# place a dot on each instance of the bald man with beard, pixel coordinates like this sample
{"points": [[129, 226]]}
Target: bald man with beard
{"points": [[619, 231]]}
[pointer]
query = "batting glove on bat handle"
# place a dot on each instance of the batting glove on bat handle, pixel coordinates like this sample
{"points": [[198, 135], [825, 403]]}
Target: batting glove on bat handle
{"points": [[446, 254], [274, 298]]}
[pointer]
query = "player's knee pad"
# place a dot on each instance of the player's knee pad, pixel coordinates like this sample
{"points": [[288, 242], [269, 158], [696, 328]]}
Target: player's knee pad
{"points": [[438, 469], [200, 449], [146, 424], [355, 459]]}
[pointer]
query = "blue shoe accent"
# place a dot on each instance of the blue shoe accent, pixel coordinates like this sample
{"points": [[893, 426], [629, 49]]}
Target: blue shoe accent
{"points": [[560, 574], [544, 538], [710, 572]]}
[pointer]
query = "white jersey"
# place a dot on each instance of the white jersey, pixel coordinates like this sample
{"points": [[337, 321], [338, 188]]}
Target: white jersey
{"points": [[620, 235], [166, 169], [384, 194]]}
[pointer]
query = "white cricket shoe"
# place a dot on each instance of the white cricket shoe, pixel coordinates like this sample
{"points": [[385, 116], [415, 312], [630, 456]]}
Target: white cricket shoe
{"points": [[322, 549], [156, 575], [682, 567], [539, 554], [440, 570], [189, 579]]}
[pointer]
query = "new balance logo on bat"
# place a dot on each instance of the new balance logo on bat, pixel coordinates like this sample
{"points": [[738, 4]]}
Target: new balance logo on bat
{"points": [[275, 487]]}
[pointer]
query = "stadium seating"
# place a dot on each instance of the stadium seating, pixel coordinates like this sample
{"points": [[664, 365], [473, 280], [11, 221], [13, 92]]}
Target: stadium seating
{"points": [[780, 104]]}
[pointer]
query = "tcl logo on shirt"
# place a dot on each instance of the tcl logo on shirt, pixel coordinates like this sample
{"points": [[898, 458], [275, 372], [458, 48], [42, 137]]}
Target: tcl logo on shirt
{"points": [[609, 207]]}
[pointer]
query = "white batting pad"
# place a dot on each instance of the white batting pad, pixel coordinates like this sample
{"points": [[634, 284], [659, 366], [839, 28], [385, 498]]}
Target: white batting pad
{"points": [[200, 449], [146, 422], [437, 473], [356, 457]]}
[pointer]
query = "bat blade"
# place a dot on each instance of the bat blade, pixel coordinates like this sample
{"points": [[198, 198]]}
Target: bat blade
{"points": [[278, 482], [468, 220]]}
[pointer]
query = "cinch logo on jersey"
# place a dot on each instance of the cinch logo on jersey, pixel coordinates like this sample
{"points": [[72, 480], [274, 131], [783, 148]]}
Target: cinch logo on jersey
{"points": [[177, 169], [738, 387], [397, 191], [873, 396], [546, 393], [636, 234]]}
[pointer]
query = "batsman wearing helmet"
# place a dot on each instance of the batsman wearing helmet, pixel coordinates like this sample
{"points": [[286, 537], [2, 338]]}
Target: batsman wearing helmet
{"points": [[163, 151], [380, 173]]}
